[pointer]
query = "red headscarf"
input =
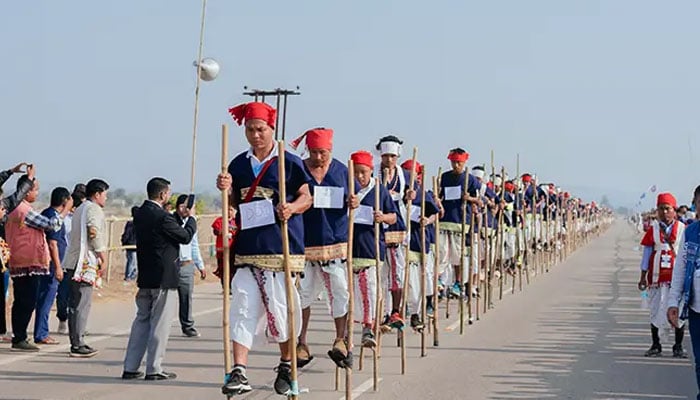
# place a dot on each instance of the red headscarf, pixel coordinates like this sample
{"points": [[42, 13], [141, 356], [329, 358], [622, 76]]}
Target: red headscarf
{"points": [[509, 187], [362, 158], [527, 178], [408, 165], [666, 198], [454, 156], [254, 110], [318, 138]]}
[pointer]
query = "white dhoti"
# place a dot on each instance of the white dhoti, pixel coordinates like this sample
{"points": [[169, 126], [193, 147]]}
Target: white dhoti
{"points": [[394, 266], [429, 272], [330, 277], [414, 294], [366, 295], [508, 243], [449, 254], [658, 305], [259, 307]]}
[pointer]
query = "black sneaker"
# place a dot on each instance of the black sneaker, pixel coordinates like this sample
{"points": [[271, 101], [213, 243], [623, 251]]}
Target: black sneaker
{"points": [[236, 384], [368, 340], [25, 346], [191, 333], [283, 382], [416, 323], [126, 375], [678, 351], [161, 376], [654, 351], [83, 352]]}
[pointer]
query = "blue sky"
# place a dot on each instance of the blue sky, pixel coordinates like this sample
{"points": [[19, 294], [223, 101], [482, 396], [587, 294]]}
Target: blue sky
{"points": [[598, 96]]}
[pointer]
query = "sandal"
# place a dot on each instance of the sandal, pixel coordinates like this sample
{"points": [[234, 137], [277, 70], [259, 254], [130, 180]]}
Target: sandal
{"points": [[47, 340]]}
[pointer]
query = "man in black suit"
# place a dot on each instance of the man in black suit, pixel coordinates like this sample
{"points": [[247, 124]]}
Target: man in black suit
{"points": [[159, 235]]}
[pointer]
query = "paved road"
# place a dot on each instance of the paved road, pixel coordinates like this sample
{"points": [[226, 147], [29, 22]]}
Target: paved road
{"points": [[575, 333]]}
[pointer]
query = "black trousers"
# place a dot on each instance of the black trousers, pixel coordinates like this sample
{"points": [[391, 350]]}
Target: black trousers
{"points": [[25, 290], [3, 322]]}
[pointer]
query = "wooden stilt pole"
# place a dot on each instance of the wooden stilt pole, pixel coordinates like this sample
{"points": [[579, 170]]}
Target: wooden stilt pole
{"points": [[404, 292], [351, 282], [288, 281], [423, 268], [463, 251], [473, 244], [378, 311], [436, 269], [227, 265]]}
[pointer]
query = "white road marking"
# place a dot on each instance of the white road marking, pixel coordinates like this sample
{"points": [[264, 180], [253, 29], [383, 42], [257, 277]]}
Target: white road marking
{"points": [[365, 386]]}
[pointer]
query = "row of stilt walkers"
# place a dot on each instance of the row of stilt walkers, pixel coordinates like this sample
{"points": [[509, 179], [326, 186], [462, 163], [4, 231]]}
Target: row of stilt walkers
{"points": [[416, 246]]}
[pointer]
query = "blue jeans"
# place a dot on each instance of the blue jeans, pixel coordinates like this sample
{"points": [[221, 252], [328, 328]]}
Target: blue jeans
{"points": [[131, 268], [694, 328], [62, 299], [6, 280], [48, 286]]}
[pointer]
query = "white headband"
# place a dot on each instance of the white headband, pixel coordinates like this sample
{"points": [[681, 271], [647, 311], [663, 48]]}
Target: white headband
{"points": [[497, 181], [390, 148], [478, 173]]}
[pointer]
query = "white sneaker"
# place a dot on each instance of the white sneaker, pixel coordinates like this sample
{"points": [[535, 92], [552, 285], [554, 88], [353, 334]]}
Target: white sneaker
{"points": [[62, 327]]}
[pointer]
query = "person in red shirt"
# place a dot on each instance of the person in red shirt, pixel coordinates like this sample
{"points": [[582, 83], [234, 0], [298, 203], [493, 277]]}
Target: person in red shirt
{"points": [[217, 228]]}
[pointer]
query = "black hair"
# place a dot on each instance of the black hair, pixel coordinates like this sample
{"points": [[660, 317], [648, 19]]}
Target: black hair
{"points": [[58, 196], [80, 188], [181, 199], [95, 186], [458, 150], [22, 180], [697, 192], [155, 186], [77, 199], [388, 138]]}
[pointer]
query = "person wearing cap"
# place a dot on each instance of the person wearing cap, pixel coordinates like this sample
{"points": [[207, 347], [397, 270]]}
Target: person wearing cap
{"points": [[259, 293], [397, 182], [452, 192], [190, 259], [326, 243], [364, 251], [661, 244], [684, 297], [419, 249]]}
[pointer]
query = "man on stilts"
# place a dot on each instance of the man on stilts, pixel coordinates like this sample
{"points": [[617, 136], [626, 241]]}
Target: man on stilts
{"points": [[415, 296], [258, 286], [397, 183], [452, 193], [364, 257], [325, 238]]}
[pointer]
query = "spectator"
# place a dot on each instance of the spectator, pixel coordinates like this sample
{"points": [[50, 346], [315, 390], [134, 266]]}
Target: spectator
{"points": [[29, 259], [129, 239], [86, 253], [159, 235], [48, 284], [63, 295]]}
